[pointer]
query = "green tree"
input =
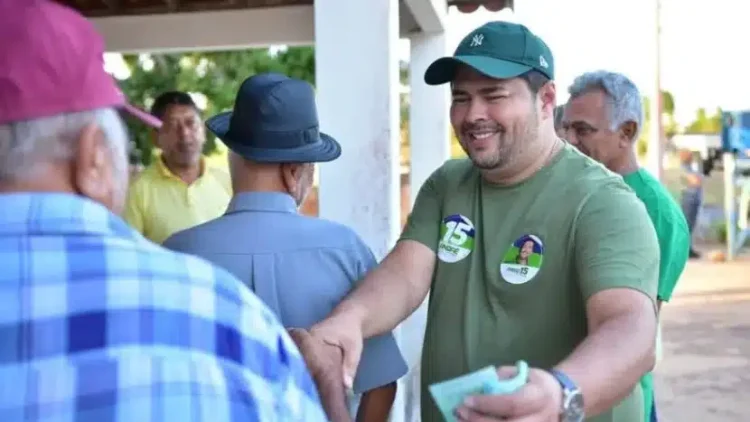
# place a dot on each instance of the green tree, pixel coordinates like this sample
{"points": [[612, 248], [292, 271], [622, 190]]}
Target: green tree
{"points": [[216, 75], [705, 123]]}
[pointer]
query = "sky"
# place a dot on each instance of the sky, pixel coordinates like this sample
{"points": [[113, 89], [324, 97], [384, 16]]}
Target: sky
{"points": [[702, 62], [702, 56]]}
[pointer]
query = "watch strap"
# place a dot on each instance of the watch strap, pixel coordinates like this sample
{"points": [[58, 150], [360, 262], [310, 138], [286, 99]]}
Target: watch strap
{"points": [[564, 380]]}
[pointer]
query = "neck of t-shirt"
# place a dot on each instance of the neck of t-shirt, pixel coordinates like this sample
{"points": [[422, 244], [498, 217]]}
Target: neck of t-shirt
{"points": [[513, 177]]}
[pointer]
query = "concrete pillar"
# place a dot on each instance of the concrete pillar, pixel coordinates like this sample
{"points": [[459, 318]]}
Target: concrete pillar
{"points": [[356, 43], [429, 126], [655, 152], [357, 75], [429, 137]]}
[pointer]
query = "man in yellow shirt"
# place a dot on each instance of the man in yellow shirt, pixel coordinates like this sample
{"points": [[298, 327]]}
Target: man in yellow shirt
{"points": [[178, 190]]}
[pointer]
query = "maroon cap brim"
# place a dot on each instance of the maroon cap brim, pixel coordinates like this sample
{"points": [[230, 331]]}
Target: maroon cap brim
{"points": [[147, 118]]}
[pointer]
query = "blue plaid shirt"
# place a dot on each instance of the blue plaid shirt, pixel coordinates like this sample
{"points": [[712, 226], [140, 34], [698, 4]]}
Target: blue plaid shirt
{"points": [[98, 324]]}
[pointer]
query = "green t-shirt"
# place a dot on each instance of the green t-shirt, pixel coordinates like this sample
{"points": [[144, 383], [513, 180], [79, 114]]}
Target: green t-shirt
{"points": [[674, 246], [517, 264]]}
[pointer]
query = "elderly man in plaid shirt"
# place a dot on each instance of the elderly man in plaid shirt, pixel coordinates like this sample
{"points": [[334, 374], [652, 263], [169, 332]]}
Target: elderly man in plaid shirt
{"points": [[97, 323]]}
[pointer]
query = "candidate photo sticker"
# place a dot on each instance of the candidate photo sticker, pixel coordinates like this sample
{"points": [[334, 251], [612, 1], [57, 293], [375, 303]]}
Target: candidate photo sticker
{"points": [[522, 260], [456, 238]]}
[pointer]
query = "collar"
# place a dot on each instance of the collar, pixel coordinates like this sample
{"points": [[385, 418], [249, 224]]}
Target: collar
{"points": [[262, 201], [28, 214], [163, 170]]}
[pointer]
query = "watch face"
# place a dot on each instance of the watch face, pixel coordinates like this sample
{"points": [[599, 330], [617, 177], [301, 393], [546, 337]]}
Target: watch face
{"points": [[573, 407]]}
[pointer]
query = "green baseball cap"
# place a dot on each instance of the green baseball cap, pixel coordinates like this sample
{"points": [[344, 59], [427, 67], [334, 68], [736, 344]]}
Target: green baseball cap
{"points": [[499, 50]]}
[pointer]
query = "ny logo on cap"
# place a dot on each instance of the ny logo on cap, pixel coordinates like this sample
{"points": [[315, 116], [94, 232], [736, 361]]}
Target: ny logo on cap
{"points": [[476, 40], [543, 63]]}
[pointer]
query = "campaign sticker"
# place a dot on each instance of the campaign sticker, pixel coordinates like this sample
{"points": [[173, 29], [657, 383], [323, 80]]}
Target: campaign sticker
{"points": [[456, 238], [522, 260]]}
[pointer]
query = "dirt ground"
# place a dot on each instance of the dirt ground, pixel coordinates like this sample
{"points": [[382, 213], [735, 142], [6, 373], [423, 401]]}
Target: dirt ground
{"points": [[705, 371]]}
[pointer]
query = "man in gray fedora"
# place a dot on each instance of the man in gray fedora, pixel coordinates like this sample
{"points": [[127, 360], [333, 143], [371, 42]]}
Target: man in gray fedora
{"points": [[300, 266]]}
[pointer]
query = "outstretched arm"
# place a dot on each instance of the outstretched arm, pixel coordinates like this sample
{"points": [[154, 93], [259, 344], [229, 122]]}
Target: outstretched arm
{"points": [[617, 261]]}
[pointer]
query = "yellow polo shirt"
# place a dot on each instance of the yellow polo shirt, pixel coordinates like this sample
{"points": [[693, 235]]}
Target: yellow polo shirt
{"points": [[160, 204]]}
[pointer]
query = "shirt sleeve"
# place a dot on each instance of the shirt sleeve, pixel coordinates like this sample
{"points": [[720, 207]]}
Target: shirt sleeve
{"points": [[381, 362], [274, 376], [674, 246], [423, 224], [133, 213], [615, 244]]}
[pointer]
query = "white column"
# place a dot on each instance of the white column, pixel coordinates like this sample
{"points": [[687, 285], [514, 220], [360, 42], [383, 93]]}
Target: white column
{"points": [[429, 137], [356, 53], [655, 152], [356, 43], [429, 127], [730, 202]]}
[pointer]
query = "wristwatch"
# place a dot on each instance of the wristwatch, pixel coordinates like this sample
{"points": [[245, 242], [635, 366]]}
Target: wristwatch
{"points": [[572, 400]]}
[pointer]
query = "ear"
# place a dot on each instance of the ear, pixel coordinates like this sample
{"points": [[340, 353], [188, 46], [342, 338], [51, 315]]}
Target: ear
{"points": [[291, 173], [91, 175], [628, 131], [547, 97]]}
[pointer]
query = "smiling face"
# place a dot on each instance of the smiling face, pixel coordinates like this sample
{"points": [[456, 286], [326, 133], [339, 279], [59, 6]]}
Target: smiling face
{"points": [[526, 249], [495, 120]]}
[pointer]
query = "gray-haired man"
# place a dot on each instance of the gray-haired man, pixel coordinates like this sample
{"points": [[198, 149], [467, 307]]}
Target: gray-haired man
{"points": [[300, 266], [603, 119], [97, 322], [559, 110]]}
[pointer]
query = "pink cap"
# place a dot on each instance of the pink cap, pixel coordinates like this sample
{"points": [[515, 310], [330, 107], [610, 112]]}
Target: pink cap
{"points": [[52, 63]]}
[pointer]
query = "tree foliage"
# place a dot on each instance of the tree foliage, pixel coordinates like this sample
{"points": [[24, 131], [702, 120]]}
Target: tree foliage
{"points": [[215, 75], [705, 123]]}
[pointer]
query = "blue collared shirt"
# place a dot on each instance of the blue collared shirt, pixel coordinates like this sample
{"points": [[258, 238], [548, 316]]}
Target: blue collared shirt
{"points": [[300, 266], [98, 324]]}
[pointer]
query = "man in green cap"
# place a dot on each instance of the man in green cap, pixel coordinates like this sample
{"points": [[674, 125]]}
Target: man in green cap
{"points": [[530, 250]]}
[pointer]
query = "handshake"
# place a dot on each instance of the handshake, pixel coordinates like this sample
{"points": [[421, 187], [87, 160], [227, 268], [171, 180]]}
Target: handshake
{"points": [[325, 363], [491, 394]]}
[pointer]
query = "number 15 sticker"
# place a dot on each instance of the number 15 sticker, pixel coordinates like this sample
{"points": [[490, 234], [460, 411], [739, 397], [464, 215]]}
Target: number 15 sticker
{"points": [[456, 238]]}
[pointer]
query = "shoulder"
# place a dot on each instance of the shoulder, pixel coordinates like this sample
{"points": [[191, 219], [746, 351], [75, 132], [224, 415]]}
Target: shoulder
{"points": [[247, 332], [599, 192], [232, 325], [339, 235], [615, 196], [612, 214], [588, 174], [452, 174], [661, 206], [215, 294], [579, 181], [219, 174], [142, 180], [189, 235], [147, 175]]}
